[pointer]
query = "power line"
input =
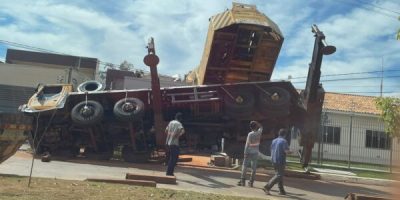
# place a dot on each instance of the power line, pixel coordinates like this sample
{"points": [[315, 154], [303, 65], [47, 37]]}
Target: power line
{"points": [[351, 73], [352, 92], [379, 7], [352, 79], [31, 47], [15, 44], [362, 86], [104, 63], [355, 3]]}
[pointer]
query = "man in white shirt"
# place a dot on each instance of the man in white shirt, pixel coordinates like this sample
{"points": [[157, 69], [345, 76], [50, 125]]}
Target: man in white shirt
{"points": [[174, 130], [251, 150]]}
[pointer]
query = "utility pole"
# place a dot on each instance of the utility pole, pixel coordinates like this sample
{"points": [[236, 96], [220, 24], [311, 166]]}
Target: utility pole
{"points": [[382, 78], [350, 133]]}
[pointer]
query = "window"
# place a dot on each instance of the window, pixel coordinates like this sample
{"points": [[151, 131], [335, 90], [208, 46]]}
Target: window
{"points": [[331, 135], [377, 139]]}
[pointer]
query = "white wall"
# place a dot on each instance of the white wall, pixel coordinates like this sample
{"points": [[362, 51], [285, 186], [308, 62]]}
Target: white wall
{"points": [[359, 152]]}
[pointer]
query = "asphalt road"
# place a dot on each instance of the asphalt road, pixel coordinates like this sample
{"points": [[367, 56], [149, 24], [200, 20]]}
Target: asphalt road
{"points": [[193, 179]]}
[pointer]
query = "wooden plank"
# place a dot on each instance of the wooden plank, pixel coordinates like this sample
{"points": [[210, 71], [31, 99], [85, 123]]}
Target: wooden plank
{"points": [[189, 159], [128, 182], [304, 175], [353, 196], [157, 179]]}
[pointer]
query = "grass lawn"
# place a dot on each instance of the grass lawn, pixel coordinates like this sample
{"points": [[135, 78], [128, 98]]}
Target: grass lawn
{"points": [[15, 187]]}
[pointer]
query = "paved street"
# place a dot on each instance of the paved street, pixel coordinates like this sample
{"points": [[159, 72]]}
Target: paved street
{"points": [[193, 179]]}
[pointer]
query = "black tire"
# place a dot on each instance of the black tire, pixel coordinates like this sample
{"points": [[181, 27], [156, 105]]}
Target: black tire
{"points": [[266, 100], [133, 113], [87, 113], [90, 86], [242, 103], [129, 155], [276, 112]]}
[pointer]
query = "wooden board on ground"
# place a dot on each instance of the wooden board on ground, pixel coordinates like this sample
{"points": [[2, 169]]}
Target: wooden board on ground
{"points": [[157, 179], [304, 175], [145, 183], [187, 159], [353, 196]]}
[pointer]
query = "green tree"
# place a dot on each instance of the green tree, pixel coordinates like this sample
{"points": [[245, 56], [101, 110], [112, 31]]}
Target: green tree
{"points": [[398, 33], [390, 114], [127, 66]]}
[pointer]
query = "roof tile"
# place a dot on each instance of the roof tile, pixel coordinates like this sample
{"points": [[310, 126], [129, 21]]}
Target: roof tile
{"points": [[351, 103]]}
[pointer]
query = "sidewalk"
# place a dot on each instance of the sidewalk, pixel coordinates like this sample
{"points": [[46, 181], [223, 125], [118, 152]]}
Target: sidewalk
{"points": [[325, 174], [200, 179]]}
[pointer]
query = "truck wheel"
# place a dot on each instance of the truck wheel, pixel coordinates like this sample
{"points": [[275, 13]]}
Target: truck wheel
{"points": [[276, 112], [90, 86], [242, 102], [129, 155], [87, 113], [129, 109], [277, 97]]}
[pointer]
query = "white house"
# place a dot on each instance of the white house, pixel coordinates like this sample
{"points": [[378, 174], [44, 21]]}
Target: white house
{"points": [[352, 129]]}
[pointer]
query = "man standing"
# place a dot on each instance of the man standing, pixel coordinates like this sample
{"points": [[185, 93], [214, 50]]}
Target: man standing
{"points": [[174, 130], [251, 153], [279, 149]]}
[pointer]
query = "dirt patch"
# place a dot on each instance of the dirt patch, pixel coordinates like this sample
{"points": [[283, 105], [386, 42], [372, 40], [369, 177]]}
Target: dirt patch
{"points": [[14, 187], [197, 160], [23, 154]]}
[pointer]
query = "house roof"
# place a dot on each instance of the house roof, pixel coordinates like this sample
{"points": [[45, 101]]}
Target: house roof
{"points": [[351, 103], [16, 56]]}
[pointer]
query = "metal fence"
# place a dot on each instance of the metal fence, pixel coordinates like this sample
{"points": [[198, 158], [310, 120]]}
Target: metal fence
{"points": [[353, 140]]}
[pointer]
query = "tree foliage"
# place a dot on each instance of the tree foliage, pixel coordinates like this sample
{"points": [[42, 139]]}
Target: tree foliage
{"points": [[390, 114], [127, 66], [398, 33]]}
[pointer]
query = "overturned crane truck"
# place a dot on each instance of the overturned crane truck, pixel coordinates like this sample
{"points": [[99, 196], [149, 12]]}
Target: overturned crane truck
{"points": [[230, 87], [14, 130]]}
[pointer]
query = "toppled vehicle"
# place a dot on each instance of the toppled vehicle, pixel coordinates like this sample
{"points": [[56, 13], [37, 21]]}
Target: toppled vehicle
{"points": [[230, 87], [14, 131]]}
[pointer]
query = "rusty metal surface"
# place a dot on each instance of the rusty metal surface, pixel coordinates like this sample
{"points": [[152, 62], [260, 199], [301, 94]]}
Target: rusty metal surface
{"points": [[152, 60], [242, 45], [243, 14], [13, 134]]}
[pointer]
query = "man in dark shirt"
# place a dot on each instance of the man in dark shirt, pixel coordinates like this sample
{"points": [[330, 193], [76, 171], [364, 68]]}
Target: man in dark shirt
{"points": [[279, 149]]}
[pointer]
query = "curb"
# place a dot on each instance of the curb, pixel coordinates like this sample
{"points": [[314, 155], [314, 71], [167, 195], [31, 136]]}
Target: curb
{"points": [[259, 176], [312, 176], [359, 180]]}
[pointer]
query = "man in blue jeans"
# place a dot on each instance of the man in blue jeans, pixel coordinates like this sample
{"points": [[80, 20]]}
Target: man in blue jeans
{"points": [[251, 153], [279, 149], [174, 130]]}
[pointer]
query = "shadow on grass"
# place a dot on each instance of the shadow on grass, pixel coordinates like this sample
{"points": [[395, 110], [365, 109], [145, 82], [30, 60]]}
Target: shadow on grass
{"points": [[12, 176]]}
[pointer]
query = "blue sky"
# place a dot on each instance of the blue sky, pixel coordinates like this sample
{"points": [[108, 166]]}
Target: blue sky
{"points": [[113, 31]]}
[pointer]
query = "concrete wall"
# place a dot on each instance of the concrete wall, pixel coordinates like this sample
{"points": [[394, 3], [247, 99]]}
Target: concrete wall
{"points": [[30, 76], [18, 81]]}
